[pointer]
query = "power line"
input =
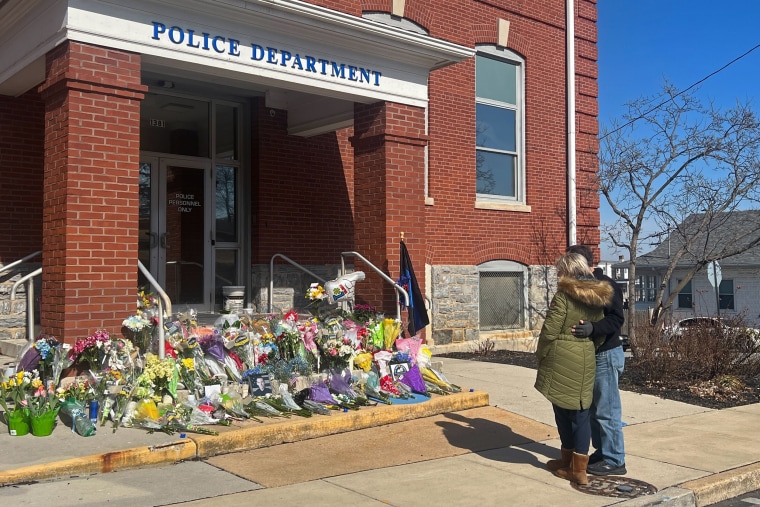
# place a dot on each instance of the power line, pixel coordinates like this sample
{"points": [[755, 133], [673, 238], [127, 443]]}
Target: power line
{"points": [[642, 115]]}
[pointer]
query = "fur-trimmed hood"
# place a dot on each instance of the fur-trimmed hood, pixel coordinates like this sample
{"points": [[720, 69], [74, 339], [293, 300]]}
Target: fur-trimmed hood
{"points": [[587, 290]]}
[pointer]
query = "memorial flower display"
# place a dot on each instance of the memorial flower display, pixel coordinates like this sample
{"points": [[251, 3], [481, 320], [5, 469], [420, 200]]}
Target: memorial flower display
{"points": [[333, 359]]}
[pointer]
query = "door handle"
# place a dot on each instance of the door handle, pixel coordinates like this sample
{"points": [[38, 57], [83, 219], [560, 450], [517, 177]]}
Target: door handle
{"points": [[153, 239], [164, 242]]}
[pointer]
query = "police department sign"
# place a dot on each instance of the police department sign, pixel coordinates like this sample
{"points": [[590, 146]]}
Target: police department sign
{"points": [[255, 53]]}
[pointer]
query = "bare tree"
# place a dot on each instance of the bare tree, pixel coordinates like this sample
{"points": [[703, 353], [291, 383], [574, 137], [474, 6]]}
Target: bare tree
{"points": [[677, 170]]}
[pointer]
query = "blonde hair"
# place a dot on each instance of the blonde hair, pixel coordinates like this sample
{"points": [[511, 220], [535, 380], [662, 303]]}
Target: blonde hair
{"points": [[572, 264]]}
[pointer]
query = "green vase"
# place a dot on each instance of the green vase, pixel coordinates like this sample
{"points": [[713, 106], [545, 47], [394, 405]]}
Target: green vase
{"points": [[18, 422], [43, 424]]}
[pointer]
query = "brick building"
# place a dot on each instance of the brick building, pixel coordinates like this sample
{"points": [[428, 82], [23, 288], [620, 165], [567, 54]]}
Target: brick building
{"points": [[215, 140]]}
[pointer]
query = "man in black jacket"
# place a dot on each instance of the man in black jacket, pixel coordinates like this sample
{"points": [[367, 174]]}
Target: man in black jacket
{"points": [[606, 408]]}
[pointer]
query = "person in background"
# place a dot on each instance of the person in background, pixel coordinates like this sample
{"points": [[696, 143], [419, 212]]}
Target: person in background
{"points": [[606, 410], [566, 365]]}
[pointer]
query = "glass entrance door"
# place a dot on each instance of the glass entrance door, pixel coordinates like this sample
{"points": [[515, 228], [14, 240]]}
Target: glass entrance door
{"points": [[175, 228]]}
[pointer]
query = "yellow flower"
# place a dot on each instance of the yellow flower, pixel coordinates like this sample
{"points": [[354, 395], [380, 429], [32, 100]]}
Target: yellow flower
{"points": [[36, 383]]}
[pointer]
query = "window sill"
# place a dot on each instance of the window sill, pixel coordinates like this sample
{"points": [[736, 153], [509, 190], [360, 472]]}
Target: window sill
{"points": [[502, 206]]}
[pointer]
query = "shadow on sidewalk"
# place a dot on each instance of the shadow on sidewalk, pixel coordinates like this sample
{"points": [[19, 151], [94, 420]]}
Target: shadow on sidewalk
{"points": [[483, 437]]}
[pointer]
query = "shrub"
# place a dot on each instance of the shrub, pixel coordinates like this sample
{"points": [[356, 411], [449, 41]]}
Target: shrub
{"points": [[698, 354]]}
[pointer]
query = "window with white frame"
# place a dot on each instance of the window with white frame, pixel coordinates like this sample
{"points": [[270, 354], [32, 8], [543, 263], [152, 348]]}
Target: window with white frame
{"points": [[726, 294], [499, 119], [646, 288], [502, 295], [685, 296]]}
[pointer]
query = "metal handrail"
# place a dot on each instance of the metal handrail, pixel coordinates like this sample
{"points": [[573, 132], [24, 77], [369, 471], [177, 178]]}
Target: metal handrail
{"points": [[16, 263], [271, 275], [29, 291], [29, 300], [165, 297], [399, 290]]}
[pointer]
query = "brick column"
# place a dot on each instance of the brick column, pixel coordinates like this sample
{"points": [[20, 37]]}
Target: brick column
{"points": [[389, 191], [90, 206]]}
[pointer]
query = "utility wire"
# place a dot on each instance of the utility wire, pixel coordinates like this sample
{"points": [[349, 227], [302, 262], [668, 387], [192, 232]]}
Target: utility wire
{"points": [[642, 115]]}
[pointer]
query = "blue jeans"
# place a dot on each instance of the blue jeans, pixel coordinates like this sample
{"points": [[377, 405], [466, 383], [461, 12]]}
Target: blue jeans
{"points": [[606, 409]]}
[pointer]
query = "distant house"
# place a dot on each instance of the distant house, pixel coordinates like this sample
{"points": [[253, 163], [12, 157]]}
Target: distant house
{"points": [[738, 290]]}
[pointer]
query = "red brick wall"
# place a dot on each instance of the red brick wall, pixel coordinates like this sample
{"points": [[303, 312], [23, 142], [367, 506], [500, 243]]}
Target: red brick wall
{"points": [[303, 192], [21, 161], [451, 231], [92, 111]]}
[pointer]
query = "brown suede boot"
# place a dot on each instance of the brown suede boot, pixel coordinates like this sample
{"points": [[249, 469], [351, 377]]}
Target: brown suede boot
{"points": [[563, 462], [576, 472]]}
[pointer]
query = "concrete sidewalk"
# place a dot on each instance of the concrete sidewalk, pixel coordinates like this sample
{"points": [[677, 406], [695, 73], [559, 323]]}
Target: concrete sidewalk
{"points": [[692, 455]]}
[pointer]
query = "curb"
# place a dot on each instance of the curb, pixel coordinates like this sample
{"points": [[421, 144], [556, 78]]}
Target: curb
{"points": [[707, 490], [270, 433], [724, 485], [671, 497], [102, 463]]}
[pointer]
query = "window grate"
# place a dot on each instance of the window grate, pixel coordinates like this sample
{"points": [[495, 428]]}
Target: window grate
{"points": [[501, 300]]}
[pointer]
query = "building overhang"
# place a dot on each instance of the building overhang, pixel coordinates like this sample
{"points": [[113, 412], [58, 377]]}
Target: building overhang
{"points": [[286, 45]]}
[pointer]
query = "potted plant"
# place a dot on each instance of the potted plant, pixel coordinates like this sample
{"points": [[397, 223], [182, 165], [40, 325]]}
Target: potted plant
{"points": [[43, 409], [16, 389]]}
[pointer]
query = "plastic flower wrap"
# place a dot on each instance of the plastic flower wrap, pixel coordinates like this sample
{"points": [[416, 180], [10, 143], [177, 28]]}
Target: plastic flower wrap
{"points": [[382, 358], [61, 361], [391, 329], [309, 332], [387, 385], [146, 415], [376, 338], [320, 393], [409, 346], [213, 345], [437, 379], [242, 345], [372, 389], [424, 357], [233, 404], [413, 379], [363, 360], [340, 382]]}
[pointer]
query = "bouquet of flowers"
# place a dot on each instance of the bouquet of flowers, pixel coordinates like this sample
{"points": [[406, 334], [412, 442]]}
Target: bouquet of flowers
{"points": [[315, 292], [188, 375], [43, 400], [140, 330], [61, 360], [91, 350], [16, 388], [78, 390], [336, 353], [159, 376]]}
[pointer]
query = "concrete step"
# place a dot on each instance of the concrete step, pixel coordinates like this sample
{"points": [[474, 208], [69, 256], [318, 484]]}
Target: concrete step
{"points": [[11, 348]]}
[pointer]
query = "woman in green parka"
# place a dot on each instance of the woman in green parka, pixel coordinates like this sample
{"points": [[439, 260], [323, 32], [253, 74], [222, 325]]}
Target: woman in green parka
{"points": [[566, 364]]}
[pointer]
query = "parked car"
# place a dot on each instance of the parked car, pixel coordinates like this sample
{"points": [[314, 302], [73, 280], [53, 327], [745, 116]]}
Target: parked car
{"points": [[626, 342], [746, 338]]}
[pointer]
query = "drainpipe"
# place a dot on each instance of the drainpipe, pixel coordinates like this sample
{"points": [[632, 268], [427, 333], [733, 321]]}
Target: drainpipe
{"points": [[570, 79]]}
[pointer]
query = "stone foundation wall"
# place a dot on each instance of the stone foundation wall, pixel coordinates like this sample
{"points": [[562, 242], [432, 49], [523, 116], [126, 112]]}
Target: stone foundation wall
{"points": [[13, 313], [289, 288], [455, 314]]}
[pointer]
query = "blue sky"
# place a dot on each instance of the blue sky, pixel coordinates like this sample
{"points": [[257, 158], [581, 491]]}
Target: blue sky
{"points": [[642, 43]]}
